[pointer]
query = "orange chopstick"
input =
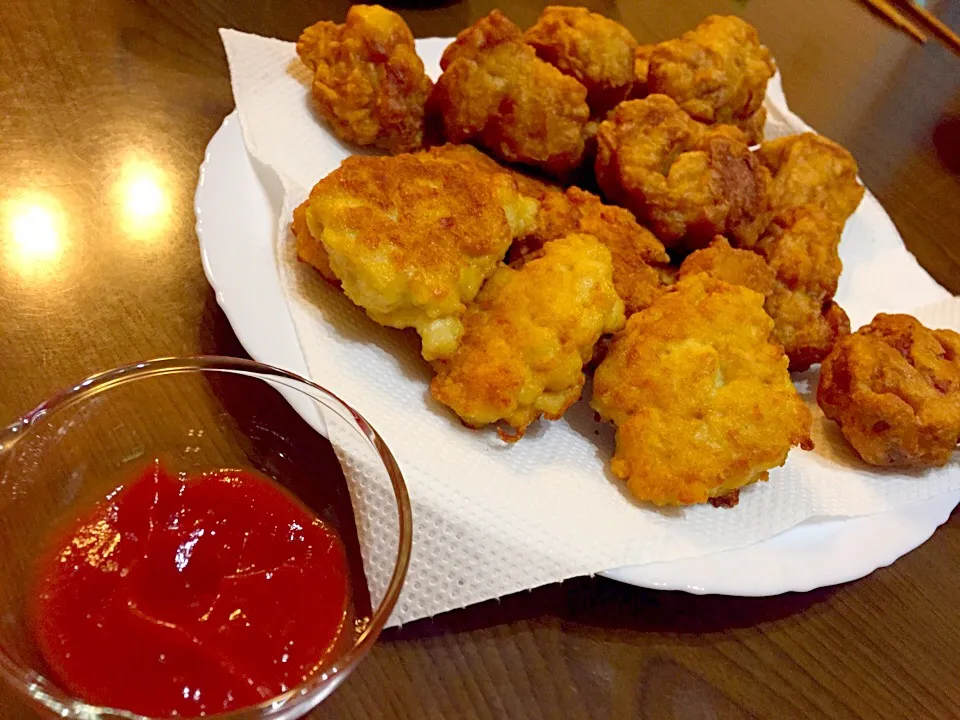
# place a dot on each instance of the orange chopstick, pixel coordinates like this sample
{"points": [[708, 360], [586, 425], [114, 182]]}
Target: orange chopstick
{"points": [[932, 23], [895, 17]]}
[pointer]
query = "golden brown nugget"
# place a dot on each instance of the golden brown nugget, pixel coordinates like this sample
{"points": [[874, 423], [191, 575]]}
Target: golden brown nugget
{"points": [[802, 247], [368, 82], [495, 92], [686, 181], [412, 238], [700, 395], [528, 185], [733, 266], [528, 335], [596, 51], [795, 267], [637, 254], [893, 387], [809, 169], [310, 250], [717, 73]]}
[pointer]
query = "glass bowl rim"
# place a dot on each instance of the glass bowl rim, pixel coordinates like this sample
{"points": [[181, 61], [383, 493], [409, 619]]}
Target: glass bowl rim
{"points": [[24, 679]]}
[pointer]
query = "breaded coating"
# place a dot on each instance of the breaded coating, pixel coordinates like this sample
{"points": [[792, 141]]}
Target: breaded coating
{"points": [[686, 181], [700, 395], [641, 71], [412, 238], [368, 82], [809, 169], [309, 249], [595, 50], [893, 387], [736, 267], [801, 244], [496, 92], [717, 73], [528, 185], [636, 252], [528, 335], [796, 267]]}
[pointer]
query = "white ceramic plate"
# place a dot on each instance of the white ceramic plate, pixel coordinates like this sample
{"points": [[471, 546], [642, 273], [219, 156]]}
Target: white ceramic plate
{"points": [[236, 221]]}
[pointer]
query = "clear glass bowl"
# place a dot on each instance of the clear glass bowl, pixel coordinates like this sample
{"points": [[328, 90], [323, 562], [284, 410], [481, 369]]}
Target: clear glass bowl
{"points": [[195, 414]]}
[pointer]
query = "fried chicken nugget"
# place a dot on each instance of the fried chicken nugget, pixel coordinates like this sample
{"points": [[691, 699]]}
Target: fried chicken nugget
{"points": [[687, 181], [636, 252], [496, 92], [412, 238], [801, 244], [893, 387], [701, 397], [796, 267], [736, 267], [717, 73], [596, 51], [528, 335], [809, 169], [368, 82], [528, 185]]}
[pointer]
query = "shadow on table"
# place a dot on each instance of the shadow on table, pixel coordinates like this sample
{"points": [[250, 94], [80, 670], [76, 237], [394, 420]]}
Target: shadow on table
{"points": [[600, 605]]}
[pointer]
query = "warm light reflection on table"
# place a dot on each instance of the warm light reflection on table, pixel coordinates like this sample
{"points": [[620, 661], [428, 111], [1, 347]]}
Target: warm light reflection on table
{"points": [[35, 233], [143, 198]]}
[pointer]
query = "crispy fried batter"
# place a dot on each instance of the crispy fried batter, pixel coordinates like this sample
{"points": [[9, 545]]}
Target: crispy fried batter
{"points": [[413, 237], [497, 93], [687, 181], [736, 267], [528, 335], [796, 266], [801, 244], [701, 397], [637, 254], [893, 387], [528, 185], [717, 73], [641, 71], [368, 82], [809, 169], [595, 50], [310, 249]]}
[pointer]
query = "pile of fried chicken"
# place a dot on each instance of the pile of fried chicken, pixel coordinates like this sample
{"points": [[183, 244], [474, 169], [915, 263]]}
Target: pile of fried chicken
{"points": [[563, 201]]}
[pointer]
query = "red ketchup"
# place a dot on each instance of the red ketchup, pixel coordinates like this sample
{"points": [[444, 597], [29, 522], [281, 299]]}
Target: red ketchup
{"points": [[189, 596]]}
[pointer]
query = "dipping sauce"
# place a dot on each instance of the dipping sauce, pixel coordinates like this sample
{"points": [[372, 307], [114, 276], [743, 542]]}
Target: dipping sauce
{"points": [[190, 595]]}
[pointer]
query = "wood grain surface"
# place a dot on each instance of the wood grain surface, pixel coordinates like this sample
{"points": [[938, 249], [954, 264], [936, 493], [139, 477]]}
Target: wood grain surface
{"points": [[105, 109]]}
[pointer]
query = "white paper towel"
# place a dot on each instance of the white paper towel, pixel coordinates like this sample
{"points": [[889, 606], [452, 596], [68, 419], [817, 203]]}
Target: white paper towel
{"points": [[491, 519]]}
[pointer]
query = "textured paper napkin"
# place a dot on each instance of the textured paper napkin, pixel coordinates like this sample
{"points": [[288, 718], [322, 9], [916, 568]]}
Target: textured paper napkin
{"points": [[491, 519]]}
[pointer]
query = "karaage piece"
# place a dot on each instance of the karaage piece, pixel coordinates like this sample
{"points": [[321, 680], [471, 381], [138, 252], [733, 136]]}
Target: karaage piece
{"points": [[801, 245], [496, 92], [528, 335], [893, 387], [595, 50], [412, 238], [736, 267], [700, 396], [686, 181], [809, 169], [796, 267], [636, 252], [368, 82], [717, 73], [528, 185]]}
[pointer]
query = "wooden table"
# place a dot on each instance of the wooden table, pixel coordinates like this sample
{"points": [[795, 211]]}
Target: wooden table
{"points": [[105, 109]]}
